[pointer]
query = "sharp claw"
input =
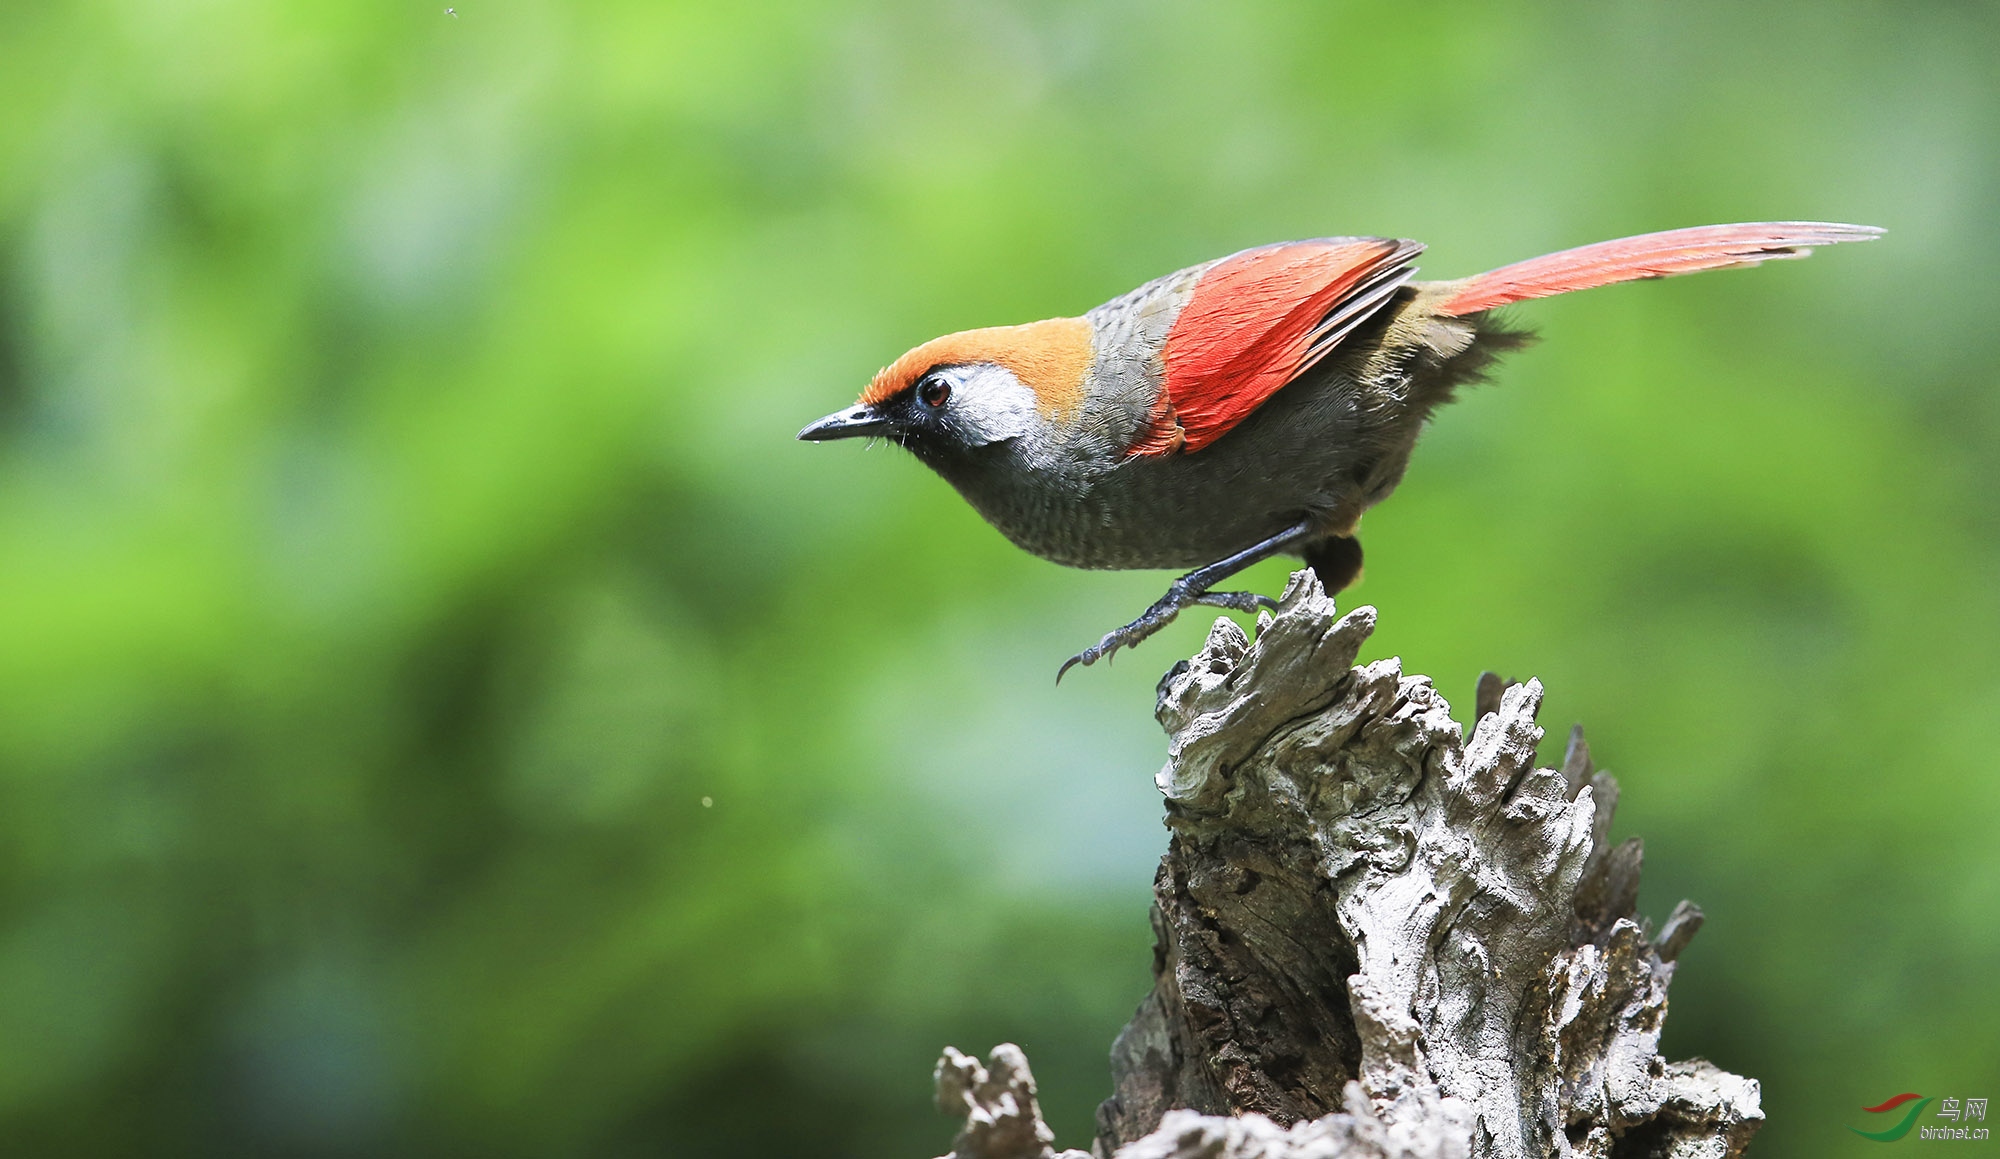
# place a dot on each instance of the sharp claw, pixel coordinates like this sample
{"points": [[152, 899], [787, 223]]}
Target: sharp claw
{"points": [[1129, 636], [1102, 650]]}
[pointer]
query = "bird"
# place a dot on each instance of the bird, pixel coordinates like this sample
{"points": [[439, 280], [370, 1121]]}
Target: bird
{"points": [[1247, 407]]}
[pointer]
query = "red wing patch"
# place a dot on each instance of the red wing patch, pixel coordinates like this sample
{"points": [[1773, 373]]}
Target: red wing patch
{"points": [[1256, 321]]}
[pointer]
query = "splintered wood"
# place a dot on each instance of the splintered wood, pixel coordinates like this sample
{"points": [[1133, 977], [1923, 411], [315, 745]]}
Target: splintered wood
{"points": [[1380, 936]]}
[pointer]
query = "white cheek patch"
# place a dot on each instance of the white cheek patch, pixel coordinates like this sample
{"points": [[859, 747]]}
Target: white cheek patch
{"points": [[989, 404]]}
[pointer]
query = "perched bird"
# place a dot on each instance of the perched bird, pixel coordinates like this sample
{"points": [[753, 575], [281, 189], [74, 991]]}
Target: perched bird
{"points": [[1243, 408]]}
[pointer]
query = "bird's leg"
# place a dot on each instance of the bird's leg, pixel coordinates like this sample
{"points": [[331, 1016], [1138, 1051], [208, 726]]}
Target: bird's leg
{"points": [[1191, 589]]}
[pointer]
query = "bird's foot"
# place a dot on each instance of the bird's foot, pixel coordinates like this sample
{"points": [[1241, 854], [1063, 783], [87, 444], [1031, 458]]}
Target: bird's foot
{"points": [[1237, 601], [1159, 616]]}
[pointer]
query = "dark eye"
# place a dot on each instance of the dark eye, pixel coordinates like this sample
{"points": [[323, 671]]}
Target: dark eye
{"points": [[933, 392]]}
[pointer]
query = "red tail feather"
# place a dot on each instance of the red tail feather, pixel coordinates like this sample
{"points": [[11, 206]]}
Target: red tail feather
{"points": [[1652, 255]]}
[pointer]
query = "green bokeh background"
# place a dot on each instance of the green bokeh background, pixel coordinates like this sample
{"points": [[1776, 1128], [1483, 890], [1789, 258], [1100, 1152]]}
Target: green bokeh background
{"points": [[401, 538]]}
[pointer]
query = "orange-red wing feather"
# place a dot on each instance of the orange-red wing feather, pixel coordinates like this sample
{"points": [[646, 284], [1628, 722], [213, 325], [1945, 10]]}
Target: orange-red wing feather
{"points": [[1257, 320], [1652, 255]]}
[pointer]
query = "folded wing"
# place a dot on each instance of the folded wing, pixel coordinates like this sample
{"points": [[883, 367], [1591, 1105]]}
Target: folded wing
{"points": [[1257, 320]]}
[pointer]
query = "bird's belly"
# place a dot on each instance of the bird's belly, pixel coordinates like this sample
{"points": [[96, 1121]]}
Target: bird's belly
{"points": [[1140, 517], [1147, 536]]}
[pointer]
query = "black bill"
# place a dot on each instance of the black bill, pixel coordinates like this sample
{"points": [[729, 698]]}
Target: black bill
{"points": [[855, 422]]}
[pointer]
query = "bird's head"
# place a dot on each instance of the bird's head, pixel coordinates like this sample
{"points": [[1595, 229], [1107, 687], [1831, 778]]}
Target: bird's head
{"points": [[953, 395]]}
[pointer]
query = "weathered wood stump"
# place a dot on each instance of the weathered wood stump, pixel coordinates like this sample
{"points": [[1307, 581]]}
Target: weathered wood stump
{"points": [[1378, 936]]}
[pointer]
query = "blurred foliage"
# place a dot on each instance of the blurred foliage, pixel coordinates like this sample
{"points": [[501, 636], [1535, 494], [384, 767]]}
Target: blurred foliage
{"points": [[443, 712]]}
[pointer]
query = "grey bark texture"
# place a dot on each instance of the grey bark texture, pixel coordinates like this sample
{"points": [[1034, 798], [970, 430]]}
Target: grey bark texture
{"points": [[1378, 936]]}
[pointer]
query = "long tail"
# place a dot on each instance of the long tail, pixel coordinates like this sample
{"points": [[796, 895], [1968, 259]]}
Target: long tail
{"points": [[1652, 255]]}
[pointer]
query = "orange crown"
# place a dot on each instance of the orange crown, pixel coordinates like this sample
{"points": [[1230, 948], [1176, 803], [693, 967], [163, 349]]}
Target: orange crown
{"points": [[1050, 357]]}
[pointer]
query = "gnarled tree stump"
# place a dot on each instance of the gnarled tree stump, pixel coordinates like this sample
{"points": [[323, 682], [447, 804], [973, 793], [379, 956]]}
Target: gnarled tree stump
{"points": [[1378, 936]]}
